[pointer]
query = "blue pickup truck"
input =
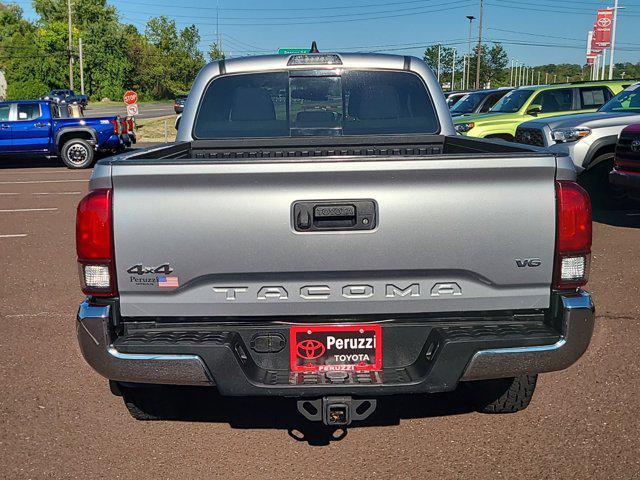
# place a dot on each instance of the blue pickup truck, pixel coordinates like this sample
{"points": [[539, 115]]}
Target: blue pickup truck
{"points": [[37, 127]]}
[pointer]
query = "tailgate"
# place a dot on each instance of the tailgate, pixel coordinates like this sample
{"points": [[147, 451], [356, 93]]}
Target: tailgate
{"points": [[218, 239]]}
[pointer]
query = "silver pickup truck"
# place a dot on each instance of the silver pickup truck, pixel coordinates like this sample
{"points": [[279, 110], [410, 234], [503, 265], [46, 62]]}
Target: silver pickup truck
{"points": [[318, 231]]}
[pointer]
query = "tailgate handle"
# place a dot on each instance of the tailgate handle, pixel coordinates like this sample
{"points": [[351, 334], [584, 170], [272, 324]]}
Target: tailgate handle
{"points": [[310, 216]]}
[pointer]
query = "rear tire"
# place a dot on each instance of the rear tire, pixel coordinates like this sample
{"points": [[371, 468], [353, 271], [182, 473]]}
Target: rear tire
{"points": [[145, 402], [77, 153], [502, 395], [603, 193]]}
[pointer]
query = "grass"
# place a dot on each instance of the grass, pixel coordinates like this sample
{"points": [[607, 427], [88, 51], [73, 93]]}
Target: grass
{"points": [[153, 129]]}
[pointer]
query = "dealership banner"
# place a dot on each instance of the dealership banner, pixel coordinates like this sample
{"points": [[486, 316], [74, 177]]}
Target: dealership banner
{"points": [[595, 48], [603, 28]]}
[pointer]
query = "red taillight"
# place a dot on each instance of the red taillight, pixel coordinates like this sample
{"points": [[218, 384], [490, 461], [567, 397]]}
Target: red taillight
{"points": [[94, 244], [573, 242], [116, 126]]}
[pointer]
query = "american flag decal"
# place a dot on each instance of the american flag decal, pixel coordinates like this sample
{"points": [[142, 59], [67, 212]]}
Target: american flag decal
{"points": [[168, 282]]}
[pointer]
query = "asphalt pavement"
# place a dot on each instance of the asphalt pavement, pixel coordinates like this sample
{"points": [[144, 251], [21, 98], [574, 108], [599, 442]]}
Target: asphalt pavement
{"points": [[145, 110], [59, 420]]}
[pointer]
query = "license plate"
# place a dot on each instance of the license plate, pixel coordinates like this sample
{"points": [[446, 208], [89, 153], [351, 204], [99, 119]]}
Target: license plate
{"points": [[324, 348]]}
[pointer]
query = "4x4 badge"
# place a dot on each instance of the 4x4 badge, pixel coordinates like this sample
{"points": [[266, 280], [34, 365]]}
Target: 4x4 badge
{"points": [[140, 269]]}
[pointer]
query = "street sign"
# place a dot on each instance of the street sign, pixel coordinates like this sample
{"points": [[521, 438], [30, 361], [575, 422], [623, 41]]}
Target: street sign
{"points": [[130, 97], [288, 51], [132, 110]]}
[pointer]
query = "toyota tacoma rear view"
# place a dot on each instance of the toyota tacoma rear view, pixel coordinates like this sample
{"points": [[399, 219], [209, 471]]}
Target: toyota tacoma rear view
{"points": [[318, 231]]}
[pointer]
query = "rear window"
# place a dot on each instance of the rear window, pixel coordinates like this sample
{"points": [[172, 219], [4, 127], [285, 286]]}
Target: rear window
{"points": [[594, 97], [292, 104]]}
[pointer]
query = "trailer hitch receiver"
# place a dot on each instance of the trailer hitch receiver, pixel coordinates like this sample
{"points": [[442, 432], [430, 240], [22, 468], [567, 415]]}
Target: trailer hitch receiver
{"points": [[337, 411]]}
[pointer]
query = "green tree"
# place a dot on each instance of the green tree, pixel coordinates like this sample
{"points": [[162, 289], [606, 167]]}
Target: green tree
{"points": [[446, 57], [21, 55], [493, 63], [177, 58], [215, 52]]}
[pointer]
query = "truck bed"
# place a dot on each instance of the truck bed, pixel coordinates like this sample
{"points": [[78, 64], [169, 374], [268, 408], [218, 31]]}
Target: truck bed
{"points": [[453, 216], [325, 148]]}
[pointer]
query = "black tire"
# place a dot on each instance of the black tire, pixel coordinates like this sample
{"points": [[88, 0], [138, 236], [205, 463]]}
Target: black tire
{"points": [[503, 395], [77, 153], [146, 402], [603, 193]]}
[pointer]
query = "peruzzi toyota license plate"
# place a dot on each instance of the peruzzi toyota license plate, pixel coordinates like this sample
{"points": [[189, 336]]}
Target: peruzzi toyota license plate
{"points": [[326, 348]]}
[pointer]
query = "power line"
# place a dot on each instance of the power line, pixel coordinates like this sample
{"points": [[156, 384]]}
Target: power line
{"points": [[459, 4]]}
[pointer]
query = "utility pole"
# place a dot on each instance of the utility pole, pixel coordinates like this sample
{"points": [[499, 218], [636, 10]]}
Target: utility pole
{"points": [[604, 61], [613, 39], [439, 66], [453, 69], [471, 19], [81, 66], [70, 47], [217, 25], [479, 45]]}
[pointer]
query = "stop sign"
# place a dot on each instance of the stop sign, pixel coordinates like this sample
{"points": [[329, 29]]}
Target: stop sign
{"points": [[130, 97]]}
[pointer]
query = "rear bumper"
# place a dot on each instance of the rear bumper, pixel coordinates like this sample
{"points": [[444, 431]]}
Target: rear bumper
{"points": [[446, 355]]}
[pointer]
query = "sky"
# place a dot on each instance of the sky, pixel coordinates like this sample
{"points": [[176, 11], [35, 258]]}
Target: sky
{"points": [[535, 32]]}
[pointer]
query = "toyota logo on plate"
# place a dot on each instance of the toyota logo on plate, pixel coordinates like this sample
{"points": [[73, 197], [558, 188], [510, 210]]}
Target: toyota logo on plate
{"points": [[310, 349]]}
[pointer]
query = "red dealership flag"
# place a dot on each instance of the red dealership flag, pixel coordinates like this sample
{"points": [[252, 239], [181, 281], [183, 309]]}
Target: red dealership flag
{"points": [[603, 28], [595, 48]]}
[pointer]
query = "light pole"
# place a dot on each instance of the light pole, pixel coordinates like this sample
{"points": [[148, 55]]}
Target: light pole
{"points": [[439, 67], [471, 19], [613, 38], [511, 76], [453, 69], [479, 55], [70, 45]]}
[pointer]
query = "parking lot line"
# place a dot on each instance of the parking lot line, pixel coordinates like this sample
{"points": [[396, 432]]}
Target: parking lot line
{"points": [[56, 193], [35, 171], [28, 210], [14, 235], [41, 193], [46, 181]]}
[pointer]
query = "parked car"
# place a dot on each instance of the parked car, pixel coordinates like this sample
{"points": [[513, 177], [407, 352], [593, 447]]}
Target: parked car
{"points": [[66, 97], [478, 102], [453, 96], [589, 138], [178, 104], [36, 128], [526, 103], [626, 170], [347, 247]]}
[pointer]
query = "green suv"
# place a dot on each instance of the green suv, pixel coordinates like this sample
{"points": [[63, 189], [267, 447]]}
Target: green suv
{"points": [[526, 103]]}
